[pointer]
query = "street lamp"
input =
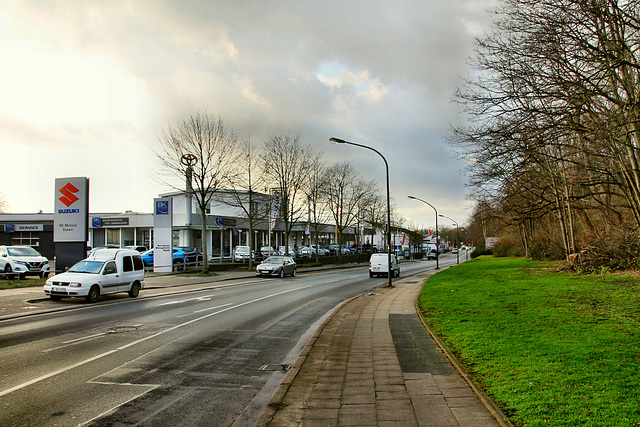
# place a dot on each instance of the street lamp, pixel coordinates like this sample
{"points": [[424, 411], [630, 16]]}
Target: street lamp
{"points": [[437, 242], [390, 266], [457, 238]]}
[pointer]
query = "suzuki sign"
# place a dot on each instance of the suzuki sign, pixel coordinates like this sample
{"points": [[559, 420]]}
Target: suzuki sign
{"points": [[71, 210]]}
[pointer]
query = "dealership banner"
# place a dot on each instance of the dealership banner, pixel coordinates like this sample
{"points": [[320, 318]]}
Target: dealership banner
{"points": [[162, 235], [71, 210]]}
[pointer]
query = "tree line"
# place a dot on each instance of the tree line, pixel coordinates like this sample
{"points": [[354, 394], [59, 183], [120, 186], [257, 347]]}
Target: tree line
{"points": [[308, 189], [553, 133]]}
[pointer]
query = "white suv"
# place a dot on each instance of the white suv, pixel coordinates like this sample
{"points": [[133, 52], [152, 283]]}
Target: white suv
{"points": [[22, 261]]}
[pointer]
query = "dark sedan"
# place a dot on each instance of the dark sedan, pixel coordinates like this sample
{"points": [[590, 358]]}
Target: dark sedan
{"points": [[277, 266]]}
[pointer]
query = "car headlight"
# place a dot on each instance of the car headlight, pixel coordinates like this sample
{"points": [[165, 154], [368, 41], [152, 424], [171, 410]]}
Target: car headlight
{"points": [[21, 262]]}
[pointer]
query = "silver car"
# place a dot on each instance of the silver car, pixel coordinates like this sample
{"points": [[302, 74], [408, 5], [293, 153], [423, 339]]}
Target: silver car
{"points": [[277, 266]]}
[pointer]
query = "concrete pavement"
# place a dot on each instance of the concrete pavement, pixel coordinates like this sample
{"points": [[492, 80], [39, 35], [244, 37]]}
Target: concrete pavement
{"points": [[373, 362]]}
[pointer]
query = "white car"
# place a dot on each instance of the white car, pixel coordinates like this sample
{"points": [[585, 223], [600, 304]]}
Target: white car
{"points": [[105, 271], [22, 261], [242, 254], [379, 265]]}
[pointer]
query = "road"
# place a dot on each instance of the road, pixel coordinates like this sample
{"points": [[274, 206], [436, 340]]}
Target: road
{"points": [[211, 356]]}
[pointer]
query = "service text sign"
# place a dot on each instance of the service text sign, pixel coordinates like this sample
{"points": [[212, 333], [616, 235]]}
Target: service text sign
{"points": [[71, 210]]}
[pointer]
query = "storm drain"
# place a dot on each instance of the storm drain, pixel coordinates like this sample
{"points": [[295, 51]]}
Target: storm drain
{"points": [[278, 367]]}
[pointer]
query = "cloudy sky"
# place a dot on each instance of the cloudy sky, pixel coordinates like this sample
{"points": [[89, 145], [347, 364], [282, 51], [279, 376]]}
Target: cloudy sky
{"points": [[87, 86]]}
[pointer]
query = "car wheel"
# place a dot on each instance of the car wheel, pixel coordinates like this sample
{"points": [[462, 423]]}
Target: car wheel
{"points": [[178, 264], [281, 275], [93, 295], [44, 275], [8, 271], [398, 273], [293, 273], [135, 290], [370, 274], [55, 297]]}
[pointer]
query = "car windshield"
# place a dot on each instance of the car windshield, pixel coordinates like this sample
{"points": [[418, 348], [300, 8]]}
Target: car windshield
{"points": [[242, 249], [92, 267], [22, 252], [274, 260]]}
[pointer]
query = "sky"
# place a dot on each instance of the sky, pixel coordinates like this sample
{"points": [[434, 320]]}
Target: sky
{"points": [[87, 86]]}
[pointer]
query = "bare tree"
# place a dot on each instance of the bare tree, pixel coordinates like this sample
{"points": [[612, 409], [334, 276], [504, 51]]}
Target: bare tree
{"points": [[286, 163], [215, 150], [319, 215], [242, 191], [345, 192]]}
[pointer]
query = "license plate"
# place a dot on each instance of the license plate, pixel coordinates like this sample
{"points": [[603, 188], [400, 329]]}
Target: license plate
{"points": [[54, 289]]}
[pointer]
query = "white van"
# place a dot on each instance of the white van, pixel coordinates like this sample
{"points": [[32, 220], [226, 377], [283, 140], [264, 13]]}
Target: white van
{"points": [[105, 271], [379, 265]]}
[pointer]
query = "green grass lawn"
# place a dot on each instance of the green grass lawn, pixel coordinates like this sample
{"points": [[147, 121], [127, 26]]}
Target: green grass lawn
{"points": [[550, 348]]}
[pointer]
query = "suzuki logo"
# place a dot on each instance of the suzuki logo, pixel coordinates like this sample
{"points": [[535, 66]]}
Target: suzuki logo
{"points": [[68, 198]]}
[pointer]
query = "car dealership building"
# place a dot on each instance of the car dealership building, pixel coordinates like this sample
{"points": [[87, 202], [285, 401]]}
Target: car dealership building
{"points": [[227, 227]]}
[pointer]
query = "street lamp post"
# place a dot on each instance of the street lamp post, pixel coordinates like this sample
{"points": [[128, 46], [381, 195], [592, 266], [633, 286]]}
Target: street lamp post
{"points": [[457, 238], [437, 242], [390, 266]]}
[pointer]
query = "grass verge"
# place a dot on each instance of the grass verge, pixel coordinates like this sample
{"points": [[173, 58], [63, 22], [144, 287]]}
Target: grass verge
{"points": [[550, 348]]}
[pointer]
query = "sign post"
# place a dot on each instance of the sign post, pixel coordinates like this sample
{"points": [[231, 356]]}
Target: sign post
{"points": [[162, 235], [70, 221]]}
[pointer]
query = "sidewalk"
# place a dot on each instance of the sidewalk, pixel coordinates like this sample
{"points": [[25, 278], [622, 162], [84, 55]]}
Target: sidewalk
{"points": [[373, 363]]}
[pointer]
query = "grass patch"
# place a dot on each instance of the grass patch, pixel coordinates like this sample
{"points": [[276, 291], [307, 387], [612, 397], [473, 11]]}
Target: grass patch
{"points": [[27, 282], [550, 348]]}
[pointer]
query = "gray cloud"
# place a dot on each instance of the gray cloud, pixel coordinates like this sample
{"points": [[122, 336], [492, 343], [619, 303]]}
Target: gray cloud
{"points": [[380, 73]]}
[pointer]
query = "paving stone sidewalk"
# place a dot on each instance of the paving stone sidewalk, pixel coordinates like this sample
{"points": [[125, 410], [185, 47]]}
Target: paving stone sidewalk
{"points": [[352, 374]]}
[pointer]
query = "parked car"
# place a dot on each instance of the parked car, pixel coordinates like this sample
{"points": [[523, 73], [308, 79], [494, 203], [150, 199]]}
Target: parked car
{"points": [[432, 254], [306, 252], [332, 250], [22, 261], [267, 251], [193, 254], [242, 254], [292, 252], [379, 265], [140, 249], [454, 250], [179, 257], [320, 250], [105, 271], [277, 266]]}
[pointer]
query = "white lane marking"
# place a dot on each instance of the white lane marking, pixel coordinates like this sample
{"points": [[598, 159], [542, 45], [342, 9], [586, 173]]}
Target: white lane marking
{"points": [[204, 309], [76, 341], [203, 298], [107, 353]]}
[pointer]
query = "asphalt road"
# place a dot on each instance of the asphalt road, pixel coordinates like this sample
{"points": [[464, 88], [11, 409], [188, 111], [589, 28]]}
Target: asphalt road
{"points": [[212, 356]]}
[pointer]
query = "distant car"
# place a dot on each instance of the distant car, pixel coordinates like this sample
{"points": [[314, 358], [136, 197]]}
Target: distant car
{"points": [[454, 250], [306, 252], [179, 258], [140, 249], [277, 266], [432, 254], [282, 251], [320, 250], [330, 249], [379, 265], [242, 254], [267, 251], [22, 261], [193, 254], [105, 271]]}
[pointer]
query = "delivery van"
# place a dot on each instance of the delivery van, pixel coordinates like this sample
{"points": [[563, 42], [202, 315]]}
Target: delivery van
{"points": [[379, 265], [104, 271]]}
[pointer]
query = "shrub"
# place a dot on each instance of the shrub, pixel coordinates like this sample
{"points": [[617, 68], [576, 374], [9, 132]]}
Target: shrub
{"points": [[507, 248]]}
